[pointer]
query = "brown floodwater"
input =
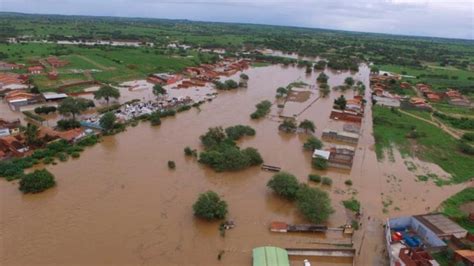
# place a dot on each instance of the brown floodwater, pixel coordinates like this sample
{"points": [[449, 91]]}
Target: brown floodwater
{"points": [[119, 204]]}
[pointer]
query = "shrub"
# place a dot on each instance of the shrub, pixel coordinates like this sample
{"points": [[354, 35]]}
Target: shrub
{"points": [[37, 181], [348, 182], [33, 116], [171, 165], [66, 124], [314, 204], [326, 181], [75, 154], [284, 184], [314, 178], [209, 206], [155, 119], [312, 143], [188, 151], [320, 163], [165, 113], [183, 108], [352, 204], [263, 108], [45, 109]]}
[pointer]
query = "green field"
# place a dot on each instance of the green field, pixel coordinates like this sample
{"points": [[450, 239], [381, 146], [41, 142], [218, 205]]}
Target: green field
{"points": [[391, 129]]}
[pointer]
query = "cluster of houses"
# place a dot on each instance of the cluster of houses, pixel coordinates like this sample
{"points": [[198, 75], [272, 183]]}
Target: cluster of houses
{"points": [[12, 81], [13, 142], [199, 76], [453, 97], [411, 240], [380, 94], [17, 99]]}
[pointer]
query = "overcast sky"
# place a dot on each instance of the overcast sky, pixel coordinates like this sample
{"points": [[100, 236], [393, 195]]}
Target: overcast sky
{"points": [[441, 18]]}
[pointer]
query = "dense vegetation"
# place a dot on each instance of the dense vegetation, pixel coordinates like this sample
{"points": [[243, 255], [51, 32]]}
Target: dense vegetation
{"points": [[222, 153], [313, 203]]}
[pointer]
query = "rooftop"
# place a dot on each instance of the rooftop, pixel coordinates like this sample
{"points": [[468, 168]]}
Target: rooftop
{"points": [[270, 256]]}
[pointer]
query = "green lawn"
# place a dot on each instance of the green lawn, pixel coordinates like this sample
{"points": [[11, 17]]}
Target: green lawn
{"points": [[391, 129]]}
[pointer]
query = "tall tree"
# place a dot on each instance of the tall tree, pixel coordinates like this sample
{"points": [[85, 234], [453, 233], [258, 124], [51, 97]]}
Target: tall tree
{"points": [[73, 106], [107, 92], [31, 133]]}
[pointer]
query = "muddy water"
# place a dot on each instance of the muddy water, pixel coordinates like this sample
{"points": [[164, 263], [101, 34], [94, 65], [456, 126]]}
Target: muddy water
{"points": [[119, 204]]}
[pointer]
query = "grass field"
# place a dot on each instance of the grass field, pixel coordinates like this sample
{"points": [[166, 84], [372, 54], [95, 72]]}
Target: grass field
{"points": [[391, 129], [115, 64]]}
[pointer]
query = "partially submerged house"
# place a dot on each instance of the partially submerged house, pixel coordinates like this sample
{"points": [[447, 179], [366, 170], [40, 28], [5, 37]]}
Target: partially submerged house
{"points": [[341, 136], [19, 98], [9, 127], [12, 146], [270, 256], [338, 156], [163, 78], [346, 116], [408, 239]]}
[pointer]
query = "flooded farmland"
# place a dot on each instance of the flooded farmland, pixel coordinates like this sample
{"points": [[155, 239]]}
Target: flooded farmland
{"points": [[119, 204]]}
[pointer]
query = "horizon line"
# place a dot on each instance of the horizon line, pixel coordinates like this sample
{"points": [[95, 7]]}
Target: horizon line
{"points": [[241, 23]]}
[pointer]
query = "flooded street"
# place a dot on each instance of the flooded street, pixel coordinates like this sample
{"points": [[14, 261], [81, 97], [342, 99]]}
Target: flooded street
{"points": [[119, 204]]}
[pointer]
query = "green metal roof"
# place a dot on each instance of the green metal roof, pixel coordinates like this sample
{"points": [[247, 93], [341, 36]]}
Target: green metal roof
{"points": [[270, 256]]}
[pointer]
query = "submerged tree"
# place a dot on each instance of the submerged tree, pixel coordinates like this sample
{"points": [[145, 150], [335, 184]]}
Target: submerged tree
{"points": [[312, 143], [340, 102], [307, 125], [288, 125], [349, 81], [284, 184], [107, 92], [314, 204], [210, 207]]}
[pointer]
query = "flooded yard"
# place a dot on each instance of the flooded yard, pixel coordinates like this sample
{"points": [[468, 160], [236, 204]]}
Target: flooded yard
{"points": [[119, 204]]}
